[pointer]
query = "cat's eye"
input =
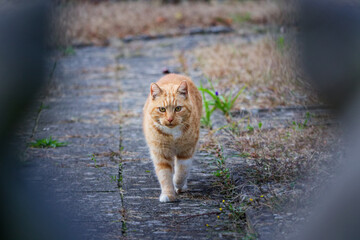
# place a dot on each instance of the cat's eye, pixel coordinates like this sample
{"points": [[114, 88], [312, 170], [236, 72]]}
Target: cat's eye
{"points": [[162, 109], [178, 109]]}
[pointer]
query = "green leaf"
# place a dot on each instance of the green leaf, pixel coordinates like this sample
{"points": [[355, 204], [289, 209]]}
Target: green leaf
{"points": [[250, 128], [237, 95], [211, 93], [46, 143]]}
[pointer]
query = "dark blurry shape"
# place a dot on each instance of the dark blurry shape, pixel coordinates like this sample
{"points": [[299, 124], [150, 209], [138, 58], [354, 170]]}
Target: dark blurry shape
{"points": [[21, 63], [23, 214], [99, 1], [166, 71], [330, 37], [171, 1], [180, 1]]}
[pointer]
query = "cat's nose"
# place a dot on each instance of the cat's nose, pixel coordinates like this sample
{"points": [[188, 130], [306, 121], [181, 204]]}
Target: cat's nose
{"points": [[170, 120]]}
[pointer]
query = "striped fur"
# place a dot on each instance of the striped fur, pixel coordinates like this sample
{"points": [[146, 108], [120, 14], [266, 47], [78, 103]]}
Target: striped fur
{"points": [[172, 134]]}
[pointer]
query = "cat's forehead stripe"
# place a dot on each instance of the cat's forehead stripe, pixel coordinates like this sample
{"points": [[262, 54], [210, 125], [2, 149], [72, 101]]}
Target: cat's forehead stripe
{"points": [[170, 100]]}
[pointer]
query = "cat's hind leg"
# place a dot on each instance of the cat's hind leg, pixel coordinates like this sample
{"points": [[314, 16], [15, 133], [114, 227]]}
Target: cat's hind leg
{"points": [[182, 170], [164, 171]]}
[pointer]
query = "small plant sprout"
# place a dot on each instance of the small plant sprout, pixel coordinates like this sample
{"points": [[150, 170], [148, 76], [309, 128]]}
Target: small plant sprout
{"points": [[250, 128], [281, 43], [42, 107], [47, 143], [114, 178], [224, 103], [237, 213], [260, 125], [205, 120], [250, 236], [94, 160], [302, 125], [68, 51], [223, 174], [96, 164]]}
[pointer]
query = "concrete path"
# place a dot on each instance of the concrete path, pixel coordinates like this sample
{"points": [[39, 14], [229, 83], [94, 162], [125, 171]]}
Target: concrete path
{"points": [[104, 176], [80, 107], [145, 216], [104, 180]]}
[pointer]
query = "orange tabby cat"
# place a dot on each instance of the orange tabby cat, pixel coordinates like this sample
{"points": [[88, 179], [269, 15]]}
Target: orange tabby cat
{"points": [[171, 126]]}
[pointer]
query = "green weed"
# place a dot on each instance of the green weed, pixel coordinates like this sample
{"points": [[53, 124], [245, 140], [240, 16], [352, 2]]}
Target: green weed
{"points": [[240, 18], [302, 125], [249, 236], [237, 128], [114, 178], [94, 160], [223, 174], [280, 42], [244, 154], [237, 212], [218, 101], [47, 143], [42, 107], [68, 51], [232, 209], [205, 120], [250, 128]]}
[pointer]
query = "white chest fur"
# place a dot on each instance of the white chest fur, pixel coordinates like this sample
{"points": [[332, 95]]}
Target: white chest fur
{"points": [[175, 131]]}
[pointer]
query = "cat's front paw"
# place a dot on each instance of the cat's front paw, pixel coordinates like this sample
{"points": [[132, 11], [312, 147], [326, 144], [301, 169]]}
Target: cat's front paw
{"points": [[167, 198]]}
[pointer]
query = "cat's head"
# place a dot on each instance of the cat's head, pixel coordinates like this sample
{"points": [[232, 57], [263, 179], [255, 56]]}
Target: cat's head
{"points": [[170, 105]]}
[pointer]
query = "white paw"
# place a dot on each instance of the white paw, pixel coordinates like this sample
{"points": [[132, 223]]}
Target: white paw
{"points": [[167, 198]]}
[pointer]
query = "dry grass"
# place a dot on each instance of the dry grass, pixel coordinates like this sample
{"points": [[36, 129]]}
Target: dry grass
{"points": [[95, 23], [285, 165], [267, 67], [280, 155], [279, 169], [287, 154]]}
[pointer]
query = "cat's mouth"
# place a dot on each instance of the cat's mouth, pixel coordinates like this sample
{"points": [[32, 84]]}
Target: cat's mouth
{"points": [[168, 125]]}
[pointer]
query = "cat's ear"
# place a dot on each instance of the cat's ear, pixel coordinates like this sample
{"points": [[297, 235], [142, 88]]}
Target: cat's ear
{"points": [[183, 89], [155, 90]]}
